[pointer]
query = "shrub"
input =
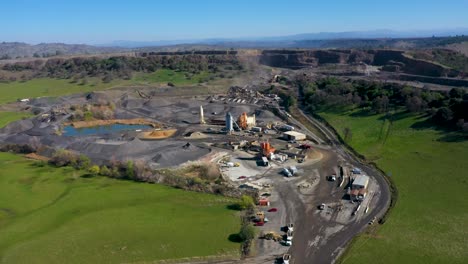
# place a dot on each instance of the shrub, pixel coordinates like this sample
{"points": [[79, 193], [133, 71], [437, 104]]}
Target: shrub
{"points": [[63, 157], [105, 171], [129, 171], [83, 162], [94, 170]]}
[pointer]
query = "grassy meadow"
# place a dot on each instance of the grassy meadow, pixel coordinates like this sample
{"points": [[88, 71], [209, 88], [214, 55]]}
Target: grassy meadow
{"points": [[55, 215], [10, 92], [175, 77], [7, 117], [429, 223]]}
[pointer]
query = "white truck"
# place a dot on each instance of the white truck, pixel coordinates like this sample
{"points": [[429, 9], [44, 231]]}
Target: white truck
{"points": [[293, 170]]}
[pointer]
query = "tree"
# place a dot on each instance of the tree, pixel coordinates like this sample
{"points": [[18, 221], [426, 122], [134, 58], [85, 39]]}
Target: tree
{"points": [[414, 104], [443, 115], [456, 93], [380, 104], [83, 162], [94, 170], [246, 202], [247, 232]]}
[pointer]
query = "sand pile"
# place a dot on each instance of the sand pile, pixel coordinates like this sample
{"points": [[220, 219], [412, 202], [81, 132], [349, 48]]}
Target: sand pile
{"points": [[93, 123], [158, 134], [195, 135]]}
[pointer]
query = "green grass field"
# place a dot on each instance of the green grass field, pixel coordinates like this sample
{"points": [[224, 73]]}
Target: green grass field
{"points": [[54, 215], [429, 223], [10, 92], [7, 117], [175, 77]]}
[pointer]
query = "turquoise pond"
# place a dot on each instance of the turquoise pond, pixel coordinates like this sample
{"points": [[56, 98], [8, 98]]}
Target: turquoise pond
{"points": [[99, 130]]}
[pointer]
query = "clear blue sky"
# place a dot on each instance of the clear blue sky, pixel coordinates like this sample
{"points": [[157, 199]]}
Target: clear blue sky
{"points": [[97, 21]]}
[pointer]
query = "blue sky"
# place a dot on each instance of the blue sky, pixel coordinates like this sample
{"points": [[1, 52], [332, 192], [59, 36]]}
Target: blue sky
{"points": [[94, 22]]}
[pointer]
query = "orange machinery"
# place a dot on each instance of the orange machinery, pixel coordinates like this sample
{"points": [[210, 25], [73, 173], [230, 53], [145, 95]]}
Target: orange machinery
{"points": [[242, 121]]}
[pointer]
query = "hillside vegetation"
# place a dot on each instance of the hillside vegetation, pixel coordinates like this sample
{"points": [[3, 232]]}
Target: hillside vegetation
{"points": [[11, 91]]}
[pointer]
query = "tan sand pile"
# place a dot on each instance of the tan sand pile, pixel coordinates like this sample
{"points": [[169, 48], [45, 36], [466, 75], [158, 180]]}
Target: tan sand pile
{"points": [[158, 134], [93, 123]]}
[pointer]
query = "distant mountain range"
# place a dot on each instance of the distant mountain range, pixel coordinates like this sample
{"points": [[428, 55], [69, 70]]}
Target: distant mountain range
{"points": [[352, 39], [13, 50], [384, 33]]}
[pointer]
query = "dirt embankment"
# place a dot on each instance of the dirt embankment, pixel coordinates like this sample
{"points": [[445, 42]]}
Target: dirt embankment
{"points": [[134, 121]]}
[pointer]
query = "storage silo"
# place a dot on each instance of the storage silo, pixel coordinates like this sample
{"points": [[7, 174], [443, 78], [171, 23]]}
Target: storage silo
{"points": [[229, 122]]}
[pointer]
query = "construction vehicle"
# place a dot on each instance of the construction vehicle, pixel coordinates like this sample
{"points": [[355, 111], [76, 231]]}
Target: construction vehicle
{"points": [[273, 236]]}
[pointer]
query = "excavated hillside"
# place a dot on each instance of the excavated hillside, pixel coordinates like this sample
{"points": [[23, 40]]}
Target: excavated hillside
{"points": [[391, 60]]}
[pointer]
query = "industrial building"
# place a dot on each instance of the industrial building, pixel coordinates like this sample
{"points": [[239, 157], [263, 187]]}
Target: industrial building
{"points": [[359, 188], [293, 135], [360, 182]]}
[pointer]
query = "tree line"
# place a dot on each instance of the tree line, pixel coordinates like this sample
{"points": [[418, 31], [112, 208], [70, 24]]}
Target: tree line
{"points": [[444, 108], [123, 66]]}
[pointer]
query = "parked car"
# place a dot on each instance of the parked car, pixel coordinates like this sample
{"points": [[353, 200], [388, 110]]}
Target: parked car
{"points": [[356, 171], [242, 177], [259, 224], [290, 227], [332, 177], [272, 210], [286, 172], [322, 206], [286, 258], [305, 146]]}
